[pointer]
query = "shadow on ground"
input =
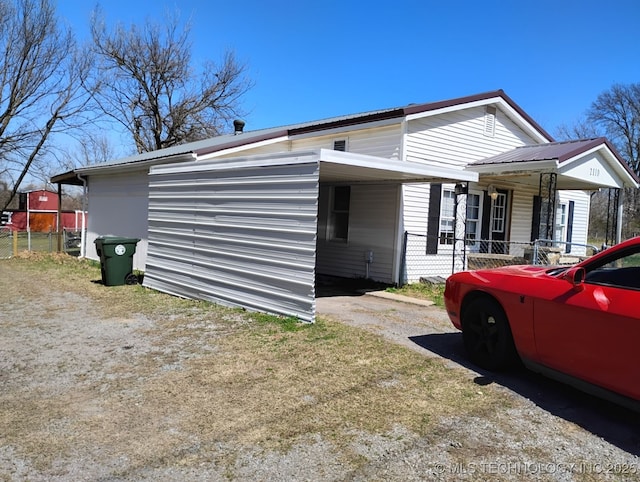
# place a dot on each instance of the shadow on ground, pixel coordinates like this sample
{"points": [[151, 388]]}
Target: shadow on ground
{"points": [[335, 286], [617, 425]]}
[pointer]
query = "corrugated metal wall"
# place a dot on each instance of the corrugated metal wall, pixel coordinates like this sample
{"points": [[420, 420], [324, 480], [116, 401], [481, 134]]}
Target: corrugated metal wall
{"points": [[240, 233]]}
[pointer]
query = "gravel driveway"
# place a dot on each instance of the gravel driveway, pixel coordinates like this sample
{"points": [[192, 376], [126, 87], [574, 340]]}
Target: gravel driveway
{"points": [[546, 430], [564, 422]]}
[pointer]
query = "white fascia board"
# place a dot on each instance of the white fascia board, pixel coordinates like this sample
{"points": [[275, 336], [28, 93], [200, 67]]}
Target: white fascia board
{"points": [[513, 114], [411, 168], [240, 149], [257, 160], [514, 167], [136, 165]]}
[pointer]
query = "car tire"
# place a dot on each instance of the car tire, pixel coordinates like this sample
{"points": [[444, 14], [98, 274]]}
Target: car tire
{"points": [[487, 336]]}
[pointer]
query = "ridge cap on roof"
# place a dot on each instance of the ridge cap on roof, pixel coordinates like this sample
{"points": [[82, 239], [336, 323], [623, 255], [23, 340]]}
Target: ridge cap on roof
{"points": [[557, 143]]}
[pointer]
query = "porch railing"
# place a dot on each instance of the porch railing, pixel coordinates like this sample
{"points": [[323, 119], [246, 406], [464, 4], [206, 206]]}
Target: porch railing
{"points": [[453, 255]]}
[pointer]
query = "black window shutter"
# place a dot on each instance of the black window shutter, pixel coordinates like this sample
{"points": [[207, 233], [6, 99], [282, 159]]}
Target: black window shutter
{"points": [[433, 221], [535, 219], [572, 206]]}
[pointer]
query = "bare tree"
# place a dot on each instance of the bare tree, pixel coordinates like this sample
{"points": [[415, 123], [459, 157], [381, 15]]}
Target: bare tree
{"points": [[149, 85], [581, 129], [42, 76], [617, 112]]}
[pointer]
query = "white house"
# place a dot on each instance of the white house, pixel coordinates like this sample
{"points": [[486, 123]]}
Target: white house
{"points": [[252, 218]]}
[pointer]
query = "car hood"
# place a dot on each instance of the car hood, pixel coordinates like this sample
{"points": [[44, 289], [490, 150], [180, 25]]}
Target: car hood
{"points": [[522, 271]]}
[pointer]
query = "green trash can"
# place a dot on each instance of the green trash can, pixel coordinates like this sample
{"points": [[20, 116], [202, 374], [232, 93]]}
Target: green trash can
{"points": [[116, 259]]}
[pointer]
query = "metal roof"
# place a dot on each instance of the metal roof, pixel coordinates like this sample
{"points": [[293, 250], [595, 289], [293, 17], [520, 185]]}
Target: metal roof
{"points": [[559, 151], [229, 141], [553, 156]]}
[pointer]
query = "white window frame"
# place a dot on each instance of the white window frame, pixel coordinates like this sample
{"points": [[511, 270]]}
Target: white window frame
{"points": [[474, 237], [498, 222], [336, 213], [446, 236], [560, 231]]}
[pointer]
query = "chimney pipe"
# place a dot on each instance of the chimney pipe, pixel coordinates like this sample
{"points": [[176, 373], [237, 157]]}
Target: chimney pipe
{"points": [[238, 126]]}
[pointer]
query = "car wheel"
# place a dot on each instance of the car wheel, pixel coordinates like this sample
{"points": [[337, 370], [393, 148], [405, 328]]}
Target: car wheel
{"points": [[487, 335]]}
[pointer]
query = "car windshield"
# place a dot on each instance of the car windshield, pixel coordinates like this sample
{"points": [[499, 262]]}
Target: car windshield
{"points": [[620, 269]]}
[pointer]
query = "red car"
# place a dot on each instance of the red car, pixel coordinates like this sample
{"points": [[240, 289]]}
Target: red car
{"points": [[580, 324]]}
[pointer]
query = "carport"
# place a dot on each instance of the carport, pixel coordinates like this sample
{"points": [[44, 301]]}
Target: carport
{"points": [[248, 231]]}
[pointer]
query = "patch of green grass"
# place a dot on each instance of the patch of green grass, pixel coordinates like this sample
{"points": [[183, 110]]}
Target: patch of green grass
{"points": [[287, 323], [423, 291]]}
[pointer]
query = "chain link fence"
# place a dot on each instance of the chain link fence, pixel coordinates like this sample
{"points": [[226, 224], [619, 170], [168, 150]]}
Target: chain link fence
{"points": [[6, 243], [432, 260]]}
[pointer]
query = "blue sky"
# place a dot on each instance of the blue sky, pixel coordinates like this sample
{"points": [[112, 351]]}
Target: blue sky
{"points": [[312, 60]]}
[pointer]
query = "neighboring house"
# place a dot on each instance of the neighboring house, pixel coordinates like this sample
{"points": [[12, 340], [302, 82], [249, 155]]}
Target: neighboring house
{"points": [[38, 211], [252, 218]]}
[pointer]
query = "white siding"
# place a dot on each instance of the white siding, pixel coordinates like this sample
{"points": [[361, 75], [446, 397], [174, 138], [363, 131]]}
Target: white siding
{"points": [[118, 205], [372, 227], [240, 235], [382, 142], [579, 235], [415, 199], [521, 211], [415, 222], [457, 138]]}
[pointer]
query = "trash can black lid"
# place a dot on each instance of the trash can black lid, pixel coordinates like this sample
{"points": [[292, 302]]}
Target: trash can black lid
{"points": [[115, 240]]}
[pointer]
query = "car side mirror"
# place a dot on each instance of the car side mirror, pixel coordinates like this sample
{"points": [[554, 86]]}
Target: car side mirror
{"points": [[575, 276]]}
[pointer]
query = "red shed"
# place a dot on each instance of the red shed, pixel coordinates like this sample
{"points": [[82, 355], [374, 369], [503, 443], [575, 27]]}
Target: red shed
{"points": [[38, 211]]}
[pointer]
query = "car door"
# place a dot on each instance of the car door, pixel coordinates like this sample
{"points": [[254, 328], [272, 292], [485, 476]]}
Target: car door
{"points": [[591, 331]]}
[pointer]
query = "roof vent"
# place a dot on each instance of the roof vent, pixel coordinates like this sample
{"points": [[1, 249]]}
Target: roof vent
{"points": [[238, 126], [490, 120], [340, 145]]}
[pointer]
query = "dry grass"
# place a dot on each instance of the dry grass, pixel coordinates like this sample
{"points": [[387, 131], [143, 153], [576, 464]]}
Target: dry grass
{"points": [[241, 377], [213, 377]]}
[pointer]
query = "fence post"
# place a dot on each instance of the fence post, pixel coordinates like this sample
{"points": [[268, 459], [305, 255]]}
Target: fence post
{"points": [[15, 242]]}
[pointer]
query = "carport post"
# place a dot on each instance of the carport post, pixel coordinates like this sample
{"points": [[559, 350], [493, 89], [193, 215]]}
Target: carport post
{"points": [[620, 214], [59, 219]]}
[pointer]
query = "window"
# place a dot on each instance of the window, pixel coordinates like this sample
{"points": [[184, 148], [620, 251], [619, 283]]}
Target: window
{"points": [[561, 222], [339, 214], [499, 214], [620, 270], [447, 217], [473, 218]]}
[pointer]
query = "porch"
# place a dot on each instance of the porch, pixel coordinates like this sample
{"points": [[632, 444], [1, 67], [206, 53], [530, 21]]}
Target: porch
{"points": [[484, 254]]}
